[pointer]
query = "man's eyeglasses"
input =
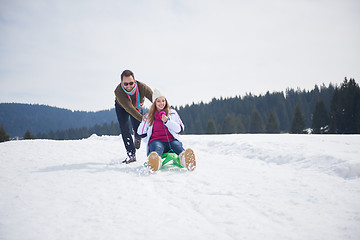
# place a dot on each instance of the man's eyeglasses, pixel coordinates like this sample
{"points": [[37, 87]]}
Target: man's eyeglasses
{"points": [[130, 83]]}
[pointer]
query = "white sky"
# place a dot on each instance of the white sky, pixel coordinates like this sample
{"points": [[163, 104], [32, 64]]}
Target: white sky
{"points": [[69, 54]]}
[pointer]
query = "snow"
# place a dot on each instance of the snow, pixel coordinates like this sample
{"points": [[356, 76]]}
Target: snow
{"points": [[245, 187]]}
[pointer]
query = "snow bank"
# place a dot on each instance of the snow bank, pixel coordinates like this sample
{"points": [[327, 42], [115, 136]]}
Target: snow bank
{"points": [[244, 187], [333, 154]]}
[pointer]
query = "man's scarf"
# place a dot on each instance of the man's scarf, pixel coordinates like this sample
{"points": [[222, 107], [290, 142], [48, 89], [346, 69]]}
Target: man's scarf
{"points": [[135, 90]]}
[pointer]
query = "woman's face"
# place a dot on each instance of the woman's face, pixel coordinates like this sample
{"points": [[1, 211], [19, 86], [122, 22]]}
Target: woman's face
{"points": [[160, 103]]}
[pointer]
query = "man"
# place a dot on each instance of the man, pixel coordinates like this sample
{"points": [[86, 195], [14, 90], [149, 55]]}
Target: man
{"points": [[130, 96]]}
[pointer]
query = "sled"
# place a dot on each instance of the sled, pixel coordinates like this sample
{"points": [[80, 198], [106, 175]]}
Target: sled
{"points": [[167, 158]]}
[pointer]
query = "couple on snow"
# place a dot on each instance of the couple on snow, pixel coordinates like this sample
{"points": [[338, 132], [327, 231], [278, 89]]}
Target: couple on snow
{"points": [[159, 128]]}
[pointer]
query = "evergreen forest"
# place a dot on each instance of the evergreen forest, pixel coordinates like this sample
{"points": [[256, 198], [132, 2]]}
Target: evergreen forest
{"points": [[18, 118], [324, 109]]}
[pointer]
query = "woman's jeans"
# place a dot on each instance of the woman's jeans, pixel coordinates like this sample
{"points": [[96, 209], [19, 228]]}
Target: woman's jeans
{"points": [[124, 121], [163, 147]]}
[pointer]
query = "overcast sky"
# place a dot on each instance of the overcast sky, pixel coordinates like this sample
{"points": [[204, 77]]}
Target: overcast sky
{"points": [[69, 53]]}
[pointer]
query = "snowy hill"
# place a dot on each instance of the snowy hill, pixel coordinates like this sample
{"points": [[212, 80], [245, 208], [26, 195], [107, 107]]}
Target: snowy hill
{"points": [[244, 187]]}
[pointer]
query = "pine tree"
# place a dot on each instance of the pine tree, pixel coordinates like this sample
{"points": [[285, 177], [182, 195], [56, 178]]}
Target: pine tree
{"points": [[272, 125], [198, 125], [211, 127], [345, 108], [229, 126], [3, 135], [298, 122], [240, 127], [256, 122], [320, 121], [28, 135]]}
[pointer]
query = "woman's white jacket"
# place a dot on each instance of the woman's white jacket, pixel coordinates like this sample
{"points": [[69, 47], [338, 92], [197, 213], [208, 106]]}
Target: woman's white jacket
{"points": [[174, 125]]}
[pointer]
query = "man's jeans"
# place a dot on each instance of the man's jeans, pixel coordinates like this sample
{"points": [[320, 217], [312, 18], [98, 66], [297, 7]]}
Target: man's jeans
{"points": [[124, 121], [163, 147]]}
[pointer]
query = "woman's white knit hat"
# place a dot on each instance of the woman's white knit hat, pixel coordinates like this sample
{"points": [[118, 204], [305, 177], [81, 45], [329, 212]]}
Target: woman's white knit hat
{"points": [[157, 93]]}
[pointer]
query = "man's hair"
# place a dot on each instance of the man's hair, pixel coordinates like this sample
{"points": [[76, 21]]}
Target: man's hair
{"points": [[127, 73]]}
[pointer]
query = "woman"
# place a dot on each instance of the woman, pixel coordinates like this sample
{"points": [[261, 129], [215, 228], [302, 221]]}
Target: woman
{"points": [[160, 129]]}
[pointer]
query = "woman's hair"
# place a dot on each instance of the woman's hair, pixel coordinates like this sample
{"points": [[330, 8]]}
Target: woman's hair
{"points": [[151, 113]]}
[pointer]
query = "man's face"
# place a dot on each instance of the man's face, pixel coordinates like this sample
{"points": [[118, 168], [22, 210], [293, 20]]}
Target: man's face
{"points": [[128, 83]]}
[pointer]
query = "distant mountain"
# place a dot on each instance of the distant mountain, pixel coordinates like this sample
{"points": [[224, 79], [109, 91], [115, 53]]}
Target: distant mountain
{"points": [[17, 118]]}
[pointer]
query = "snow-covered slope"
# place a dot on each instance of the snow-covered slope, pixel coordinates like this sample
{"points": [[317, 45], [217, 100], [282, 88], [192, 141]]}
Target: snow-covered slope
{"points": [[244, 187]]}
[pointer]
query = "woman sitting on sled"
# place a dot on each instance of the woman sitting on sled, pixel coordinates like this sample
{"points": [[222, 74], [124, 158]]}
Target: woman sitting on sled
{"points": [[160, 129]]}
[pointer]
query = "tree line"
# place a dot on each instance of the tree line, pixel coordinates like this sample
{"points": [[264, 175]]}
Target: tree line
{"points": [[325, 109], [80, 133], [67, 134], [18, 118]]}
